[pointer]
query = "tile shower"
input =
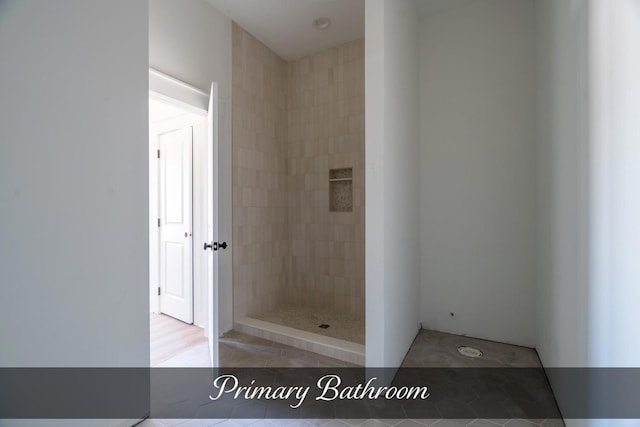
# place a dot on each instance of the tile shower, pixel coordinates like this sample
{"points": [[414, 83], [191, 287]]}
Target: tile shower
{"points": [[298, 188]]}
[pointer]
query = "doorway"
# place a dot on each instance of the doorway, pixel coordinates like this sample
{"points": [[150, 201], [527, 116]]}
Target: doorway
{"points": [[183, 130], [175, 211]]}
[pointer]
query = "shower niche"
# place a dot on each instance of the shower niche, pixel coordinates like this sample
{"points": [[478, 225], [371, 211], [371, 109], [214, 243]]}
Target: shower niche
{"points": [[341, 190]]}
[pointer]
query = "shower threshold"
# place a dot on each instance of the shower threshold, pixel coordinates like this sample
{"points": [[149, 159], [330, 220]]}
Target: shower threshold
{"points": [[327, 346], [318, 320]]}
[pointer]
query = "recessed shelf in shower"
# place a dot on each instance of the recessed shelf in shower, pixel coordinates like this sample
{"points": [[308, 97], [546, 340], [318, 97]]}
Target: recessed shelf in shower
{"points": [[341, 190]]}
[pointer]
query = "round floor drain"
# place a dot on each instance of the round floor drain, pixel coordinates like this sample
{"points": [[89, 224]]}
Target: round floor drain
{"points": [[469, 352]]}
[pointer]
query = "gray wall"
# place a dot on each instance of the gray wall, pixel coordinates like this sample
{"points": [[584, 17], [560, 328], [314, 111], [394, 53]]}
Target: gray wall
{"points": [[563, 183], [392, 172], [191, 41], [477, 170], [614, 94], [74, 183], [74, 186], [588, 206]]}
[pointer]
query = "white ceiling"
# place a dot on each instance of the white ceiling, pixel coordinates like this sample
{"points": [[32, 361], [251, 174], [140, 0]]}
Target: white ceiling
{"points": [[285, 26]]}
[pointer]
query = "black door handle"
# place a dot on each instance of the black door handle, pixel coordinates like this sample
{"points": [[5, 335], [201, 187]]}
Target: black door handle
{"points": [[215, 246]]}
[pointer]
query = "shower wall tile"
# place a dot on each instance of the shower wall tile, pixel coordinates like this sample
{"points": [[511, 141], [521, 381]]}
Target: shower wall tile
{"points": [[292, 123], [259, 164], [325, 266]]}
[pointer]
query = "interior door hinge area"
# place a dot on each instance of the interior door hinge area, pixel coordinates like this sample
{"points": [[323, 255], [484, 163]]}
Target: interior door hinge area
{"points": [[158, 290], [158, 153], [158, 222]]}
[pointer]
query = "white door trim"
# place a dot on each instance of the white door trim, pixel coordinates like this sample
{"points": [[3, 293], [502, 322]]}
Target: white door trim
{"points": [[177, 92], [213, 163]]}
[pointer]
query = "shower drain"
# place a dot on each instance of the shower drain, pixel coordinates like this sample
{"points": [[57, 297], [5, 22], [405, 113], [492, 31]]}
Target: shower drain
{"points": [[469, 351], [323, 326]]}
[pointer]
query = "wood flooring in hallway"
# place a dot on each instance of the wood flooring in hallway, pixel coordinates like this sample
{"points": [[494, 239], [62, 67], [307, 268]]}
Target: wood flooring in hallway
{"points": [[171, 337]]}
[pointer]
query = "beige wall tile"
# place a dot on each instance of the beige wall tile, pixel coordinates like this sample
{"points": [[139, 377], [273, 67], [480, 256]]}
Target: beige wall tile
{"points": [[291, 123]]}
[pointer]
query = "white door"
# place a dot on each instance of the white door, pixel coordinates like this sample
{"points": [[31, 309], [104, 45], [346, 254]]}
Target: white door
{"points": [[175, 219], [212, 224]]}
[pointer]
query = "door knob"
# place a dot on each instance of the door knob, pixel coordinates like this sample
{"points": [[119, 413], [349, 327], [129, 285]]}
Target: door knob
{"points": [[215, 246]]}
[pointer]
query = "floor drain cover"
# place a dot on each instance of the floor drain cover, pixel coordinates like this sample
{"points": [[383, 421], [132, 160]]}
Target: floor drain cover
{"points": [[323, 326], [469, 352]]}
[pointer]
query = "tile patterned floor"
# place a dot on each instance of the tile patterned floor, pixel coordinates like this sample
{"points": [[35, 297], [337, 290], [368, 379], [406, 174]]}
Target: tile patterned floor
{"points": [[350, 423], [430, 349]]}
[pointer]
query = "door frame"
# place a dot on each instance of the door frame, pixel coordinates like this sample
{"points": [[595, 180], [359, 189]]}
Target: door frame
{"points": [[193, 101]]}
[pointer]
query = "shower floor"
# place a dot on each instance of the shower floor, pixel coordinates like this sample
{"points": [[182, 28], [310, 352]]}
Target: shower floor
{"points": [[341, 326]]}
